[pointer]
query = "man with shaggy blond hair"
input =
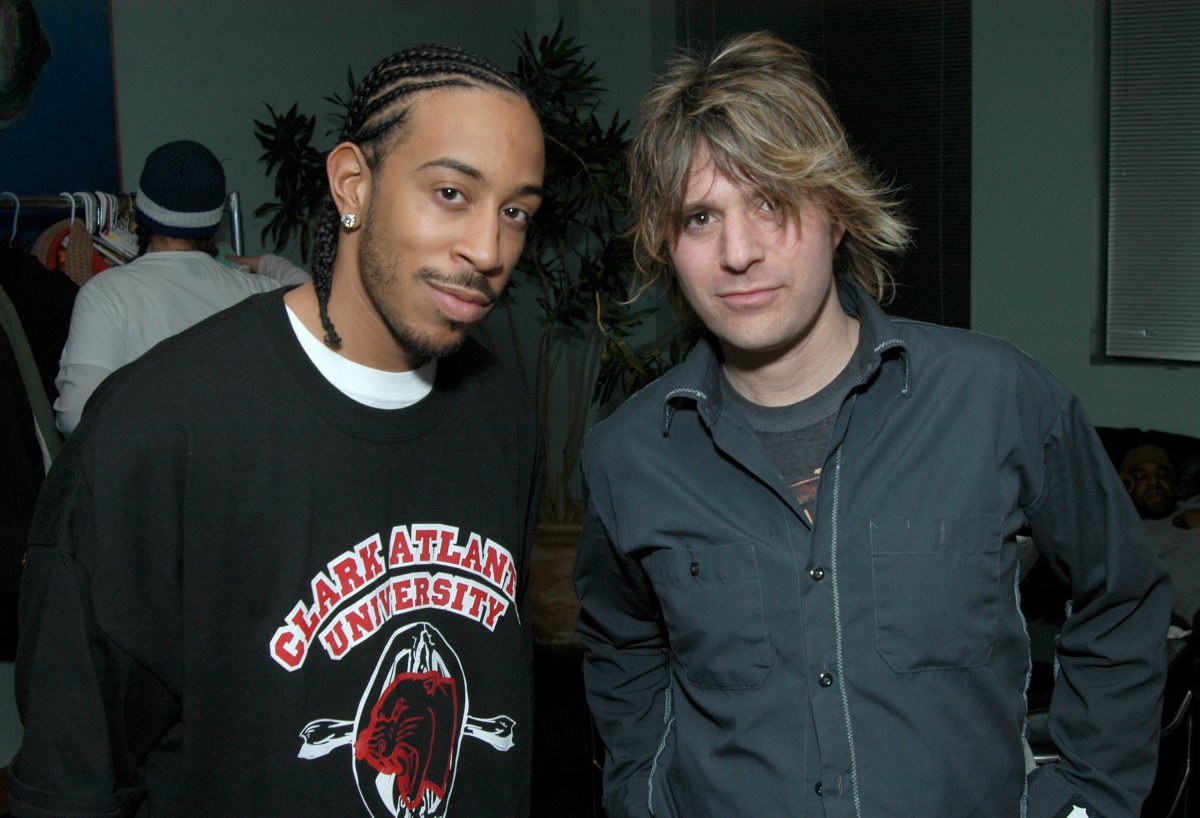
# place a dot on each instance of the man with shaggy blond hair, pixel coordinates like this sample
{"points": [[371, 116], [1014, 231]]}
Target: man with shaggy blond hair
{"points": [[798, 568]]}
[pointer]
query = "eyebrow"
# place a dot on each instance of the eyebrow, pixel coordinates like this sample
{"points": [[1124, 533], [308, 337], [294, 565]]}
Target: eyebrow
{"points": [[454, 164], [475, 173]]}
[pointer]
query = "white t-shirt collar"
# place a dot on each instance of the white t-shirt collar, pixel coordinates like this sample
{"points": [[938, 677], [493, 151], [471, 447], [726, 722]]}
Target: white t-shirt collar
{"points": [[371, 387]]}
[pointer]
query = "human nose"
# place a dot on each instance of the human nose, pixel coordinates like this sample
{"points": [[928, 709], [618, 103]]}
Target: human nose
{"points": [[480, 246], [741, 245]]}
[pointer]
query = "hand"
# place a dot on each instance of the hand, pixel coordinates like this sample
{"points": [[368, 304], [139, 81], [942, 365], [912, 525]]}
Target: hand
{"points": [[247, 261], [1187, 519]]}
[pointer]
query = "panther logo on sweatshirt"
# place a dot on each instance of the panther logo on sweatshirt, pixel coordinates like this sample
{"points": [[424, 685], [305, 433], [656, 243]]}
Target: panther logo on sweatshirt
{"points": [[411, 720]]}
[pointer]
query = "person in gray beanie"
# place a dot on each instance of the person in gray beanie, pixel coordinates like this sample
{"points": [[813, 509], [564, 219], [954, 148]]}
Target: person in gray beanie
{"points": [[173, 283]]}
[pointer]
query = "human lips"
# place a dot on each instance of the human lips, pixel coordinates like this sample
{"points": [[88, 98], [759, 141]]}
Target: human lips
{"points": [[1156, 494], [465, 302], [748, 297]]}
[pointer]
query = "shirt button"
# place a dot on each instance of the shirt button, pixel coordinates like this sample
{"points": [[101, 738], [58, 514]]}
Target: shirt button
{"points": [[817, 573], [825, 679], [695, 569], [818, 788]]}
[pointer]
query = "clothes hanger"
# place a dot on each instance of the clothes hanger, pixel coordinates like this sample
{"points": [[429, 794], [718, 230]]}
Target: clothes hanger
{"points": [[91, 207], [70, 199], [111, 240], [101, 211], [16, 214], [108, 210], [85, 205]]}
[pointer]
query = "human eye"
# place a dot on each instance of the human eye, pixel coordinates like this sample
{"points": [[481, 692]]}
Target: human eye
{"points": [[516, 214], [770, 211], [697, 220], [768, 207], [450, 195]]}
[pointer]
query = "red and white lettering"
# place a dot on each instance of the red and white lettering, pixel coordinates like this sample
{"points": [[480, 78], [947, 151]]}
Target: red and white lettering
{"points": [[371, 583], [288, 648]]}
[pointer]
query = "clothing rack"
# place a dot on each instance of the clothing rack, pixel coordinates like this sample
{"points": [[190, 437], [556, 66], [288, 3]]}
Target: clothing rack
{"points": [[41, 203]]}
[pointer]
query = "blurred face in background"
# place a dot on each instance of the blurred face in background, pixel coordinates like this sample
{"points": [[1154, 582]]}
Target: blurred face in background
{"points": [[1152, 487]]}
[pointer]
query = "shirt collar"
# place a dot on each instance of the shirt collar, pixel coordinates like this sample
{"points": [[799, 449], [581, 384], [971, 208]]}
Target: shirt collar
{"points": [[697, 380]]}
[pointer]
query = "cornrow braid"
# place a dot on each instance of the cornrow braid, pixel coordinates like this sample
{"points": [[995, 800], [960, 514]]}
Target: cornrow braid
{"points": [[377, 113]]}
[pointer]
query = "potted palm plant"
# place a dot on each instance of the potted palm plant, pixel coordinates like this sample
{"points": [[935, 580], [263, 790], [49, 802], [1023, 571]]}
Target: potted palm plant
{"points": [[591, 346]]}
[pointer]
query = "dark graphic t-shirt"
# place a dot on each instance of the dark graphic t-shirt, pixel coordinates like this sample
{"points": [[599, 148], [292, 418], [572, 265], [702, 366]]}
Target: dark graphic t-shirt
{"points": [[797, 436]]}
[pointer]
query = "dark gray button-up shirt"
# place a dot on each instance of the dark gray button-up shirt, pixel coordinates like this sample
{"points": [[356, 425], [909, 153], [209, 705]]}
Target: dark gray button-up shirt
{"points": [[725, 681]]}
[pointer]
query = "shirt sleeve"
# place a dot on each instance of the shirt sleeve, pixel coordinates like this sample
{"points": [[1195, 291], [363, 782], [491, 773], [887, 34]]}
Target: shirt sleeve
{"points": [[1112, 649], [281, 270], [95, 347], [626, 666], [72, 759], [94, 694], [75, 383]]}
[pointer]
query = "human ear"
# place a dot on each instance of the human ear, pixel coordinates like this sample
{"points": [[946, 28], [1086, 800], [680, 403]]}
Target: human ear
{"points": [[349, 179], [837, 233]]}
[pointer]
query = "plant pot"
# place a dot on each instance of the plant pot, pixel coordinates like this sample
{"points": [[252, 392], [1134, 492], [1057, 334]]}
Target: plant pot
{"points": [[552, 591]]}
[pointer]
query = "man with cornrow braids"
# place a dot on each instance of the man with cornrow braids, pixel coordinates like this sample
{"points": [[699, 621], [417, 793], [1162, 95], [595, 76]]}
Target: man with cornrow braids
{"points": [[282, 566]]}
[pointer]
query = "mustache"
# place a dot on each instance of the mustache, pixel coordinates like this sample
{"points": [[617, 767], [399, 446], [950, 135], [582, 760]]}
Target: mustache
{"points": [[464, 278]]}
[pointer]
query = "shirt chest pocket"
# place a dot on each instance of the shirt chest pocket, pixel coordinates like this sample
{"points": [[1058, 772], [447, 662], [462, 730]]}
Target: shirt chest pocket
{"points": [[713, 608], [936, 582]]}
